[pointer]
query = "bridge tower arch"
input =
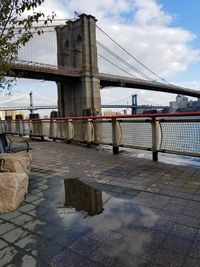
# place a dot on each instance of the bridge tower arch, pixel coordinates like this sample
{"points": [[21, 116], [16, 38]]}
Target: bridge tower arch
{"points": [[76, 48]]}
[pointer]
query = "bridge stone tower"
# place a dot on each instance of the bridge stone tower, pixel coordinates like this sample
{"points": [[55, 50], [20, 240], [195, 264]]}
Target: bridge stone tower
{"points": [[76, 42]]}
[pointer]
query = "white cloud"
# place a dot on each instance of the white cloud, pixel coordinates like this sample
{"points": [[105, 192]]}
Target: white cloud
{"points": [[150, 38], [150, 13]]}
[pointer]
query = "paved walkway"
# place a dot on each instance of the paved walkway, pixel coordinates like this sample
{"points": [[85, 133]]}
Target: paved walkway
{"points": [[116, 211]]}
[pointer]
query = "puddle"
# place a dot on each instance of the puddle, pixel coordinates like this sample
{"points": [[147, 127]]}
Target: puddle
{"points": [[82, 204]]}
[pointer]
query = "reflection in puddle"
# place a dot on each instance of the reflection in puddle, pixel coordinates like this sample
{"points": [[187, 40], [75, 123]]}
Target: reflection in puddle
{"points": [[82, 197]]}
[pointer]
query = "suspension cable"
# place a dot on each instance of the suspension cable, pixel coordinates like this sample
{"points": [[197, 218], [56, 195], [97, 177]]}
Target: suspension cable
{"points": [[138, 61], [116, 65], [123, 61]]}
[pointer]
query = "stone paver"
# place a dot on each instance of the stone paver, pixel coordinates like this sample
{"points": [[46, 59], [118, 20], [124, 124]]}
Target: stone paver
{"points": [[148, 213]]}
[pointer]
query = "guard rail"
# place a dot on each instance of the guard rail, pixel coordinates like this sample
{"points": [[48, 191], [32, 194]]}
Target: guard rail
{"points": [[177, 133]]}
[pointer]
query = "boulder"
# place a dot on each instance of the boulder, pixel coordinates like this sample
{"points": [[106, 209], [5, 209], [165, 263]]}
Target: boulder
{"points": [[14, 175], [16, 162], [13, 187]]}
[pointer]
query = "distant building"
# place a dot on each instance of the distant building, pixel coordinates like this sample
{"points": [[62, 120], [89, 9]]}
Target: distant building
{"points": [[183, 104], [173, 106], [12, 113], [180, 103], [194, 105], [111, 113], [165, 110], [150, 111]]}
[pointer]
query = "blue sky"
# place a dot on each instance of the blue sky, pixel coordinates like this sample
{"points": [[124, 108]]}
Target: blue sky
{"points": [[186, 13], [164, 35]]}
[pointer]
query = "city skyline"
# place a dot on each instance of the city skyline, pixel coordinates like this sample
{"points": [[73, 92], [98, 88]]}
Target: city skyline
{"points": [[180, 104]]}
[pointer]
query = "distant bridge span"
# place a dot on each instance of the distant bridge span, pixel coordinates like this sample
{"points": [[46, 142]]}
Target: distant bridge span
{"points": [[52, 73], [145, 107], [28, 108]]}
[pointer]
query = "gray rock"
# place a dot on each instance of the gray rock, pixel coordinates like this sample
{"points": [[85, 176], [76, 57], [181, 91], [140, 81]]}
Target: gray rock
{"points": [[14, 177]]}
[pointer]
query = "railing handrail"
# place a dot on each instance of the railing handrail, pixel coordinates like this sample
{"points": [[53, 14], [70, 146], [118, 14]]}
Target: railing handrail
{"points": [[158, 115], [43, 66]]}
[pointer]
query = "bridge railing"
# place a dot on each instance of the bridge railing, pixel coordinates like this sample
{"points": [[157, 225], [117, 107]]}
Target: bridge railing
{"points": [[30, 65], [177, 133]]}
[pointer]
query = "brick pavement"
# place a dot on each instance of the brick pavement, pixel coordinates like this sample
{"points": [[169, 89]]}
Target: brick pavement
{"points": [[148, 212]]}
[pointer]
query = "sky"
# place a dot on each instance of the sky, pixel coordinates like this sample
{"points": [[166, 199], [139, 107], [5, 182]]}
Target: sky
{"points": [[163, 34]]}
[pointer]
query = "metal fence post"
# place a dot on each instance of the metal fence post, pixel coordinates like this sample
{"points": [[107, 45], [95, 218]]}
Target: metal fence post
{"points": [[23, 127], [30, 128], [69, 131], [38, 129], [13, 127], [10, 127], [89, 134], [20, 128], [155, 138], [116, 135], [41, 130], [1, 126], [17, 127], [53, 130]]}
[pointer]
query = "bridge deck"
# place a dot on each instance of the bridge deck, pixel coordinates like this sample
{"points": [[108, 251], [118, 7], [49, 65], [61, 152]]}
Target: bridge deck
{"points": [[34, 70], [150, 212], [53, 73], [120, 81]]}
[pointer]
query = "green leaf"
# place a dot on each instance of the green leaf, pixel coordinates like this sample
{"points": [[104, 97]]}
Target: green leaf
{"points": [[15, 32]]}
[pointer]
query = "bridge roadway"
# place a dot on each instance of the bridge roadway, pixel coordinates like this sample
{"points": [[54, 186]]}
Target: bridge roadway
{"points": [[52, 73], [102, 106]]}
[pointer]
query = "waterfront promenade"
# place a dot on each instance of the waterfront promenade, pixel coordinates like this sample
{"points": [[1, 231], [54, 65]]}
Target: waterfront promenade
{"points": [[86, 207]]}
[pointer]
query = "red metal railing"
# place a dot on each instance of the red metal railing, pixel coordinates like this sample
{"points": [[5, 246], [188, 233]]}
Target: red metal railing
{"points": [[177, 133]]}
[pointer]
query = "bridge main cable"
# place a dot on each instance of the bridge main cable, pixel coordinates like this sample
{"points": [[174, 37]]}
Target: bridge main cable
{"points": [[124, 61], [116, 65], [138, 61]]}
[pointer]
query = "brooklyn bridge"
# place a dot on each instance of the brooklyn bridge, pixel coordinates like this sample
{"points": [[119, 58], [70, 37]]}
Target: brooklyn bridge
{"points": [[76, 69]]}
